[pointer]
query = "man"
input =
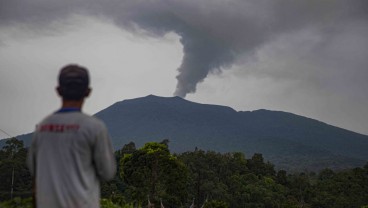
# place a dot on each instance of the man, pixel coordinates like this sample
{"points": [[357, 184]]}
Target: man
{"points": [[71, 152]]}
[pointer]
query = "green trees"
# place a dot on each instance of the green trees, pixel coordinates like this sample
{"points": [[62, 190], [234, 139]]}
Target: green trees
{"points": [[257, 166], [211, 173], [216, 204], [14, 175], [232, 179], [347, 188], [212, 179], [153, 172]]}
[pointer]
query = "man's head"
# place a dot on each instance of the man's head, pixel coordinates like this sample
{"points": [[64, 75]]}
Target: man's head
{"points": [[73, 83]]}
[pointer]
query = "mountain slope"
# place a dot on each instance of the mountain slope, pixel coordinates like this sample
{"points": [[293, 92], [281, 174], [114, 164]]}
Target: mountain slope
{"points": [[287, 140], [283, 138]]}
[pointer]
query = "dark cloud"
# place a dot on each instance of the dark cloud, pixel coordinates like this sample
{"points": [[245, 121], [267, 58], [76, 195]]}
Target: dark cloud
{"points": [[214, 33]]}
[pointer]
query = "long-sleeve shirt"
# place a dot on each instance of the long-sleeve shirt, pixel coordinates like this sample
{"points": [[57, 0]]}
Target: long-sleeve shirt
{"points": [[70, 154]]}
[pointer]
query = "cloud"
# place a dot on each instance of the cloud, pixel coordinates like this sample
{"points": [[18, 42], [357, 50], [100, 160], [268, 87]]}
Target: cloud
{"points": [[215, 34]]}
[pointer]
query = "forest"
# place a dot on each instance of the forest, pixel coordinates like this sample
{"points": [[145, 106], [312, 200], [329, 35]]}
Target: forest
{"points": [[152, 176]]}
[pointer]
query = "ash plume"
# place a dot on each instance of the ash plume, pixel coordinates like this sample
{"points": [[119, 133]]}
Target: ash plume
{"points": [[214, 33]]}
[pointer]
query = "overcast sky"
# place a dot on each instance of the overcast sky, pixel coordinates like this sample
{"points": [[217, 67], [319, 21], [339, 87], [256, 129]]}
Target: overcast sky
{"points": [[308, 57]]}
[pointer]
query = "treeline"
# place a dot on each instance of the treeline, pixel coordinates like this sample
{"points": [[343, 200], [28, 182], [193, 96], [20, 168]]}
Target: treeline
{"points": [[152, 176], [15, 179]]}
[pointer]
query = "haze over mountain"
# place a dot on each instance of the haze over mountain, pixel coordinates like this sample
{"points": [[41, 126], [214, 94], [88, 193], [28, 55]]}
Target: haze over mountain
{"points": [[287, 140]]}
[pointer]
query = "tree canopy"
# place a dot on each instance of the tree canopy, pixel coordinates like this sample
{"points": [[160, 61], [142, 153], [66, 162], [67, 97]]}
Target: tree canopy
{"points": [[151, 175]]}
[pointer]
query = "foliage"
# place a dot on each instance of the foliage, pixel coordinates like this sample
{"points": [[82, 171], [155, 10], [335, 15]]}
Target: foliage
{"points": [[107, 203], [152, 174], [210, 173], [215, 204], [114, 189], [343, 189], [17, 202], [13, 168]]}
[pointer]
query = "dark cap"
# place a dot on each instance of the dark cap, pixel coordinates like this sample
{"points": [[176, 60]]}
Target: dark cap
{"points": [[73, 75], [73, 82]]}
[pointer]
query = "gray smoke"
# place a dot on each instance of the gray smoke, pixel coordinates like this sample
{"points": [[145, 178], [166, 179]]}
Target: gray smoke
{"points": [[214, 33]]}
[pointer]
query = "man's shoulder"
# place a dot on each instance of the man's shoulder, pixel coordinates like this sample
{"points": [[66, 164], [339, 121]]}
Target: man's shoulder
{"points": [[75, 117]]}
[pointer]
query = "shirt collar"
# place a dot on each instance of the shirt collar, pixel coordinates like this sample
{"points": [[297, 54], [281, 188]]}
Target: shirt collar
{"points": [[67, 110]]}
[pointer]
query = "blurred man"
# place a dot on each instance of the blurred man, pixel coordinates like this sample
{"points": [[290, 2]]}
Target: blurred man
{"points": [[71, 152]]}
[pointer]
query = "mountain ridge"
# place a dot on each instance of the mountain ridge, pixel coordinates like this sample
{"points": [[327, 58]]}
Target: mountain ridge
{"points": [[288, 140]]}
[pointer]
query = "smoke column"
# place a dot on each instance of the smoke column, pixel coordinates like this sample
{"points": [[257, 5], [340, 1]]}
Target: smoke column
{"points": [[214, 33]]}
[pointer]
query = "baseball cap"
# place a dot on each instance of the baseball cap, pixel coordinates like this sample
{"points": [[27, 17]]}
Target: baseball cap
{"points": [[73, 76], [73, 82]]}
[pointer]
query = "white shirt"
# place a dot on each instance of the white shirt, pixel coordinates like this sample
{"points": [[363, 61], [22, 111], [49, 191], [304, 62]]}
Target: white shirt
{"points": [[69, 155]]}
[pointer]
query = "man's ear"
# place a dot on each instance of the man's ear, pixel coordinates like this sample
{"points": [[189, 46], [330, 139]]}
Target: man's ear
{"points": [[88, 92], [58, 90]]}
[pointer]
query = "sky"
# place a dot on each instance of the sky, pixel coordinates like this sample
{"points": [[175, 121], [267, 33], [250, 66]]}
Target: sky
{"points": [[307, 57]]}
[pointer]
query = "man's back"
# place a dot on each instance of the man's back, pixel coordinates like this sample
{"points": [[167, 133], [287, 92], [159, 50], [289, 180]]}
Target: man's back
{"points": [[70, 153]]}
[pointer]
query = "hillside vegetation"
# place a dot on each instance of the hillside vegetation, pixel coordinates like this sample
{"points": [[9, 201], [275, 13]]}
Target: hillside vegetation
{"points": [[153, 175]]}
